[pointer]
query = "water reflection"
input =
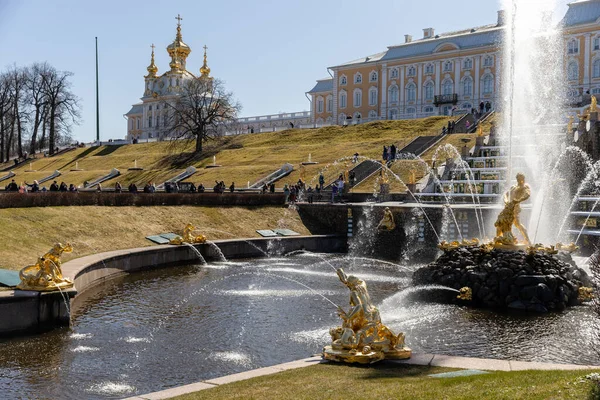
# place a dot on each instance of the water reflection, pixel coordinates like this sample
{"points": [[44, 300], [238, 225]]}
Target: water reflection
{"points": [[159, 329]]}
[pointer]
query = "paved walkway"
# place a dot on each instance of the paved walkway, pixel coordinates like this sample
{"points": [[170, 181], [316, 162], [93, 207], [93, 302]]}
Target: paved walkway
{"points": [[416, 359]]}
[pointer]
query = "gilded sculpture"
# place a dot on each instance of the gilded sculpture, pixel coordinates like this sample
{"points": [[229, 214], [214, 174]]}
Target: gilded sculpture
{"points": [[387, 223], [585, 294], [188, 236], [362, 338], [46, 273], [594, 104], [465, 293], [509, 216]]}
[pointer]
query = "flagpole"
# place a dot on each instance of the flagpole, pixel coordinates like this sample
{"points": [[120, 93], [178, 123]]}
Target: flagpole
{"points": [[97, 101]]}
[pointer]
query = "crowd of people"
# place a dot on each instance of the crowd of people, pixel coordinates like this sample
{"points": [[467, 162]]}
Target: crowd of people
{"points": [[35, 187]]}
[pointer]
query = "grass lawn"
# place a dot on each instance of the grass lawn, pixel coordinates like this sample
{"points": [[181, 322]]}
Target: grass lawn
{"points": [[388, 381], [244, 158], [27, 233]]}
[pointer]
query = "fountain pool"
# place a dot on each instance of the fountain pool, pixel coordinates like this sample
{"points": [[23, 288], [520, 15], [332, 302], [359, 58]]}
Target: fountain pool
{"points": [[157, 329]]}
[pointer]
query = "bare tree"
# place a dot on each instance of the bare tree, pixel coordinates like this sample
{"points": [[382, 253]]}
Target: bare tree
{"points": [[17, 79], [62, 104], [5, 110], [201, 111], [37, 98]]}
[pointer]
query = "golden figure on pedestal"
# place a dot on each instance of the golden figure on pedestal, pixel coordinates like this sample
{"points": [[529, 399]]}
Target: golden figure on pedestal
{"points": [[387, 222], [46, 274], [362, 338], [188, 236], [509, 216]]}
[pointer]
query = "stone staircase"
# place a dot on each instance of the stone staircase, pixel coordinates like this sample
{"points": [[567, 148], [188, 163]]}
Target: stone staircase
{"points": [[362, 172], [420, 144]]}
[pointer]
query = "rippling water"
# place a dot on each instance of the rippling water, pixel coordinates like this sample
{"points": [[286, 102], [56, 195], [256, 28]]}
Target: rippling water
{"points": [[154, 330]]}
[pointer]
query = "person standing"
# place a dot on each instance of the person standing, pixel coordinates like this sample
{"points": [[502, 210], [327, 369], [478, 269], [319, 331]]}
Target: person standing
{"points": [[232, 187], [392, 152], [118, 188]]}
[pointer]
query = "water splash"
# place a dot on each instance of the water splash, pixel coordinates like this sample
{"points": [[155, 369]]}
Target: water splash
{"points": [[217, 250]]}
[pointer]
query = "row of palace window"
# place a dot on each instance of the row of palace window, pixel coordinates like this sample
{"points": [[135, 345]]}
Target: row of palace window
{"points": [[573, 70], [447, 66], [411, 92], [573, 45], [393, 113]]}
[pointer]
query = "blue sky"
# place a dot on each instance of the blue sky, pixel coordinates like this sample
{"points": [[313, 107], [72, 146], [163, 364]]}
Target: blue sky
{"points": [[268, 52]]}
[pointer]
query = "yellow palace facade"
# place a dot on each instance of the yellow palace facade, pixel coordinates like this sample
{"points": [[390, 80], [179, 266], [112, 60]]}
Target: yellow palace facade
{"points": [[439, 74]]}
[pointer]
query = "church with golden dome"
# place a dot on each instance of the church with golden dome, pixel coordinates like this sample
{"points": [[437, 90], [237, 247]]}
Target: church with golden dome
{"points": [[148, 119]]}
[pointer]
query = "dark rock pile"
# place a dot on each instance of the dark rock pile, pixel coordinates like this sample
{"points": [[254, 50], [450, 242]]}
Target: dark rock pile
{"points": [[508, 279]]}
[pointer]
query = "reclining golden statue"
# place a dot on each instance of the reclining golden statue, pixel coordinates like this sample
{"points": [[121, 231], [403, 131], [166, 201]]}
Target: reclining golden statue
{"points": [[188, 236], [46, 274]]}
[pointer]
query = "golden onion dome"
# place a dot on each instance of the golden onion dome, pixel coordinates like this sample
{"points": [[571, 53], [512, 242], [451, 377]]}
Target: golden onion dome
{"points": [[205, 70], [178, 48], [152, 68]]}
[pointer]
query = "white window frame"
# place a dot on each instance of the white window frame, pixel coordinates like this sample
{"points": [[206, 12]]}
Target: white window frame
{"points": [[448, 66], [343, 80], [357, 98], [411, 71], [596, 68], [573, 70], [468, 63], [411, 110], [320, 104], [358, 78], [373, 96], [372, 114], [488, 61], [488, 84], [596, 43], [429, 69], [428, 109], [343, 99], [411, 92], [373, 76], [329, 103], [394, 92], [467, 80], [394, 73], [429, 90], [573, 46], [447, 87]]}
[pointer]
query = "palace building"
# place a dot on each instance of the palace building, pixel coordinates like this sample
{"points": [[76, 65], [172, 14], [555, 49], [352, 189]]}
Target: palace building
{"points": [[439, 73], [146, 120]]}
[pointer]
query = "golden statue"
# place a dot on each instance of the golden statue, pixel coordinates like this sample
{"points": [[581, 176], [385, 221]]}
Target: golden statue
{"points": [[387, 222], [447, 246], [569, 248], [465, 293], [570, 125], [46, 274], [362, 338], [594, 104], [510, 215], [188, 236], [585, 293], [480, 130], [584, 115]]}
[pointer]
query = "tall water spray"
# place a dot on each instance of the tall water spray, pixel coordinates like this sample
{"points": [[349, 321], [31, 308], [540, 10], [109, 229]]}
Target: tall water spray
{"points": [[532, 89]]}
